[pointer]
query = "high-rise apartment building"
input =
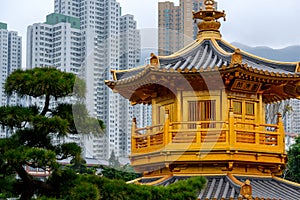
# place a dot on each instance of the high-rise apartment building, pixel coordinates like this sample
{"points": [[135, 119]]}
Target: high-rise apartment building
{"points": [[55, 43], [176, 27], [10, 60], [109, 41], [130, 53], [291, 112], [170, 29]]}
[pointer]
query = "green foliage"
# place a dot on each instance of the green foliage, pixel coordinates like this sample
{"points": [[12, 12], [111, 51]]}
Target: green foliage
{"points": [[118, 189], [186, 189], [48, 198], [70, 185], [63, 180], [78, 165], [38, 82], [67, 150], [85, 191], [32, 129], [15, 116], [113, 160], [120, 173], [6, 186], [293, 170], [79, 119]]}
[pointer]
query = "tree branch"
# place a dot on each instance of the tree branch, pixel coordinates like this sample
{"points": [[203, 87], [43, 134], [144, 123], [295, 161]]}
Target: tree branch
{"points": [[46, 106]]}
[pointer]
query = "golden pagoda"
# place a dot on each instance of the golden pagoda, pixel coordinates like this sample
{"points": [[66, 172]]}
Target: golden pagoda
{"points": [[208, 116]]}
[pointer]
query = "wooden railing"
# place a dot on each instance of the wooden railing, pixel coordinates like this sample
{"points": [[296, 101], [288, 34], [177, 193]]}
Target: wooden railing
{"points": [[229, 134], [195, 132]]}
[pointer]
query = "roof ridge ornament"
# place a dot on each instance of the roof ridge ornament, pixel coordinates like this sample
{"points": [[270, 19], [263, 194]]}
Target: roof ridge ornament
{"points": [[209, 26], [154, 60]]}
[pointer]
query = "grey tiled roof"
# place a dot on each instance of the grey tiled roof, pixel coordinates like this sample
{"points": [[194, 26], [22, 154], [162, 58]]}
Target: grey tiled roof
{"points": [[128, 74], [206, 55], [223, 187], [211, 55], [149, 180], [217, 187], [202, 56], [220, 188], [260, 63], [273, 189]]}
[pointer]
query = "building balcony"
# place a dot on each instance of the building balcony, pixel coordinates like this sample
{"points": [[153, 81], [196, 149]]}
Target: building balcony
{"points": [[229, 141]]}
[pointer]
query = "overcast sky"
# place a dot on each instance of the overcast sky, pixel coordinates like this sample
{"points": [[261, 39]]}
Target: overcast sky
{"points": [[252, 22]]}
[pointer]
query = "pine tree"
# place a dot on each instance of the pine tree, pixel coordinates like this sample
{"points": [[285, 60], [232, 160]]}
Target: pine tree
{"points": [[34, 127]]}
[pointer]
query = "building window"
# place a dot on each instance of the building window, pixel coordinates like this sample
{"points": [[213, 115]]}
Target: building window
{"points": [[201, 111], [249, 108], [237, 107]]}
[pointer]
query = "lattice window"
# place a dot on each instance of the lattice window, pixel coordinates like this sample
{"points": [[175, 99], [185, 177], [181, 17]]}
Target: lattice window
{"points": [[249, 108], [201, 111], [237, 107]]}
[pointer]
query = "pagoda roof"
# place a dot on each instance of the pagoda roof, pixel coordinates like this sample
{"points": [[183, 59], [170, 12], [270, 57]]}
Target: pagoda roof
{"points": [[212, 53], [209, 54], [229, 186]]}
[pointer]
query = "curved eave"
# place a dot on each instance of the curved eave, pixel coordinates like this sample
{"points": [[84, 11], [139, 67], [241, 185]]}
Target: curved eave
{"points": [[271, 75], [123, 74], [254, 60], [222, 69]]}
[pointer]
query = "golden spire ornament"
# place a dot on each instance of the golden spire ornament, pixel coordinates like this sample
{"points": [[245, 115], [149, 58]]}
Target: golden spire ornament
{"points": [[209, 18]]}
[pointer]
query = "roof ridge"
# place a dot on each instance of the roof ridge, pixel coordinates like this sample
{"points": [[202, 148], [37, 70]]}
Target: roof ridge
{"points": [[259, 57], [286, 181], [234, 180], [183, 51]]}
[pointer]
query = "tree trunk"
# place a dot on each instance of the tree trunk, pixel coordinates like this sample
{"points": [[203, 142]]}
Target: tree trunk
{"points": [[28, 184]]}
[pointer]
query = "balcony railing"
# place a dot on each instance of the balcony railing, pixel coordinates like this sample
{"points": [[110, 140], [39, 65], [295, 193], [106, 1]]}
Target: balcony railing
{"points": [[220, 135]]}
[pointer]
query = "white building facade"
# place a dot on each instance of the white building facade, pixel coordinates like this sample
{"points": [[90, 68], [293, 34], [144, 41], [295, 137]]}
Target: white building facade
{"points": [[292, 116], [10, 60], [55, 43], [130, 55], [108, 42]]}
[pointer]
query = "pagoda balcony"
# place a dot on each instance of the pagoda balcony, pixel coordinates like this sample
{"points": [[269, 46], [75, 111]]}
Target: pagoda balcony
{"points": [[243, 136], [229, 140]]}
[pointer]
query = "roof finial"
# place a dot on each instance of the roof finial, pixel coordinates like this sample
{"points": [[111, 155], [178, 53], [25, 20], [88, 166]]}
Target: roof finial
{"points": [[209, 4], [209, 18]]}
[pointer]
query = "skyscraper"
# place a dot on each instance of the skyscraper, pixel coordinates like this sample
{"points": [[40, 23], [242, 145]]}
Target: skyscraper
{"points": [[129, 58], [176, 27], [108, 42], [10, 60], [55, 43], [170, 30]]}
